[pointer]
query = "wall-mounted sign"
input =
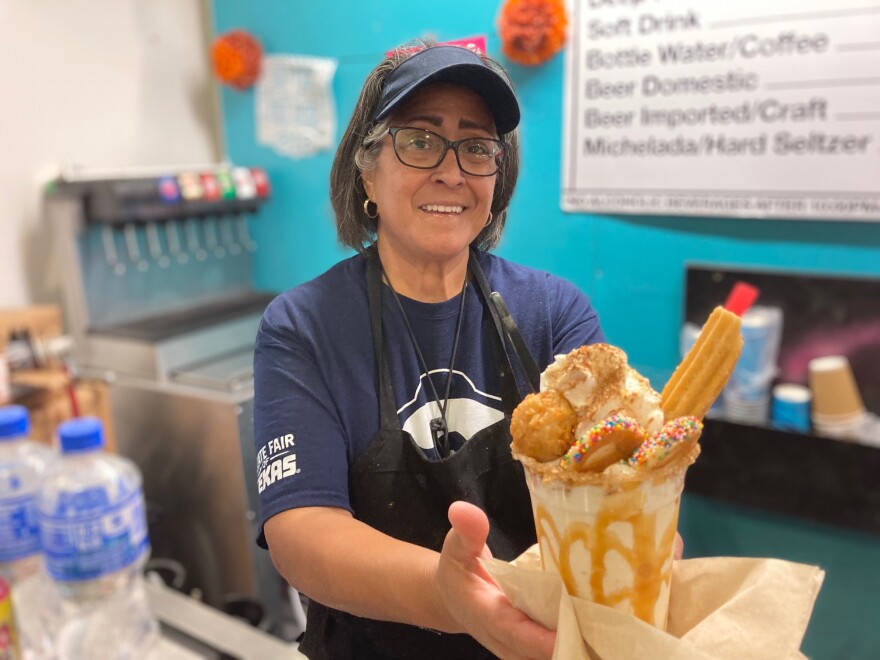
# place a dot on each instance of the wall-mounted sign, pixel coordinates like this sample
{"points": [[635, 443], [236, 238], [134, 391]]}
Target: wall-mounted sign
{"points": [[755, 108]]}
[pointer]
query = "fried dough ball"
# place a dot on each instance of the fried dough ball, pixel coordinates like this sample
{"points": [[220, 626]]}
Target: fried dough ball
{"points": [[542, 426]]}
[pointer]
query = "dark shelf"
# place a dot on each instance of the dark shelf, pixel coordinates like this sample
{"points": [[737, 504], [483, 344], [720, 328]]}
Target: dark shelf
{"points": [[807, 476]]}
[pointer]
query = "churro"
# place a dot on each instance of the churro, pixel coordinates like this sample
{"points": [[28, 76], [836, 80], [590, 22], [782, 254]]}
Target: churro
{"points": [[704, 371]]}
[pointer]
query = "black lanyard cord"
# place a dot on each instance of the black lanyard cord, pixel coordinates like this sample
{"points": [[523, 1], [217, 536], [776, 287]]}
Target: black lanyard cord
{"points": [[439, 426]]}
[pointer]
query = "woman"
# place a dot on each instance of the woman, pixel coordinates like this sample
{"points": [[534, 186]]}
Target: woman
{"points": [[384, 388]]}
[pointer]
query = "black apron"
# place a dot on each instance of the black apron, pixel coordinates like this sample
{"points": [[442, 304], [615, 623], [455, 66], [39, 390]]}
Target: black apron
{"points": [[395, 489]]}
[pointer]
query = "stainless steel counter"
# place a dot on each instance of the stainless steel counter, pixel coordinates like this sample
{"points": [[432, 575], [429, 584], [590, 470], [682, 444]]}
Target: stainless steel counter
{"points": [[192, 630]]}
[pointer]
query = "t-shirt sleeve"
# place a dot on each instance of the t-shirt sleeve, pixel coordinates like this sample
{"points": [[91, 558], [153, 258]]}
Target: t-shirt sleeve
{"points": [[299, 442], [575, 322]]}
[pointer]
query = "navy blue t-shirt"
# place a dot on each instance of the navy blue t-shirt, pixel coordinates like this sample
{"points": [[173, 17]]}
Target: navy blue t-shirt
{"points": [[316, 405]]}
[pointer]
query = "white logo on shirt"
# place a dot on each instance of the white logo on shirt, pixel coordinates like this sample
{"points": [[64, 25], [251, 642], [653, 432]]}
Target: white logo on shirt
{"points": [[276, 461], [465, 416]]}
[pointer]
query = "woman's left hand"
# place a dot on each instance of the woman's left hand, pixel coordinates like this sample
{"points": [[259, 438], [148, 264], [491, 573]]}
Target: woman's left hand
{"points": [[474, 600], [679, 546]]}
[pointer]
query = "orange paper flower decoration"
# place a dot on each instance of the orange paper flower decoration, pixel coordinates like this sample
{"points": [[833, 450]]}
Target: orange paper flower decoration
{"points": [[236, 57], [532, 31]]}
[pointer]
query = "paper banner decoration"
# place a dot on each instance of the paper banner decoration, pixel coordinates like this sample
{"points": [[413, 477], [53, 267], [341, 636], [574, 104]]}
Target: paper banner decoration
{"points": [[236, 57], [532, 31]]}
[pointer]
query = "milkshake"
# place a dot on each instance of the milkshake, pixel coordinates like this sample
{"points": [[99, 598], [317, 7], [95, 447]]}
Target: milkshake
{"points": [[605, 469], [610, 535]]}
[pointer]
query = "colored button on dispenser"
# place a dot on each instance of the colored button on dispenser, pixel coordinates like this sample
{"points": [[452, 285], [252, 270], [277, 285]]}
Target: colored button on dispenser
{"points": [[190, 186], [245, 188], [210, 187], [261, 181], [168, 190], [227, 188]]}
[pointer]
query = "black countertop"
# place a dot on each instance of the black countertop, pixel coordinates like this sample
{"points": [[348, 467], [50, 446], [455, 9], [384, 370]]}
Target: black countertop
{"points": [[822, 479]]}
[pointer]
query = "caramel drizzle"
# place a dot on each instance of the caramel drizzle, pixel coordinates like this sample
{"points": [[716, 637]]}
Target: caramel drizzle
{"points": [[645, 558]]}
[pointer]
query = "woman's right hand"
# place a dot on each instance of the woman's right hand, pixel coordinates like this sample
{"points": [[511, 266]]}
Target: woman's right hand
{"points": [[474, 600]]}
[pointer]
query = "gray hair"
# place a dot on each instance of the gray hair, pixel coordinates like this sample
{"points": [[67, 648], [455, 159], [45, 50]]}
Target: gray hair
{"points": [[359, 152]]}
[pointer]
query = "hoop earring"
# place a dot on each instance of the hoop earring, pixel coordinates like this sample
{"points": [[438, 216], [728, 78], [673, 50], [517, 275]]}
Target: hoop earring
{"points": [[489, 221], [367, 203]]}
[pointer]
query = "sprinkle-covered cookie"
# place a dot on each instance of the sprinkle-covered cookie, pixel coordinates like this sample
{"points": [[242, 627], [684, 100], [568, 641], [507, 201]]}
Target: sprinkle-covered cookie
{"points": [[610, 441], [675, 436]]}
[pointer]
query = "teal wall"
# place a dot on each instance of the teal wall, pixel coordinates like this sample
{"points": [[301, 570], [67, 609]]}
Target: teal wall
{"points": [[846, 621], [631, 267]]}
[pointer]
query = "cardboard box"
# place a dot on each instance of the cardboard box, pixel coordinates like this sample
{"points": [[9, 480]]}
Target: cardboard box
{"points": [[47, 392], [50, 402], [41, 322]]}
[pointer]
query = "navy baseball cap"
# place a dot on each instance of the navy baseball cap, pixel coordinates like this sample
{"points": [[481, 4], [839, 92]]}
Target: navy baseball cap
{"points": [[456, 65]]}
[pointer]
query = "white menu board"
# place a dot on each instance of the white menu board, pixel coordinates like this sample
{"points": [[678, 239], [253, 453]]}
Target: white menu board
{"points": [[758, 108]]}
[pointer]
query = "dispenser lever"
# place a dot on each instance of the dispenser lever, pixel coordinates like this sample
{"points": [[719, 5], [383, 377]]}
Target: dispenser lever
{"points": [[111, 256], [133, 247]]}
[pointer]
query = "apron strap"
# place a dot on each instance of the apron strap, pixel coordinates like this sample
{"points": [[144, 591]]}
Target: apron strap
{"points": [[510, 393], [388, 418], [517, 343]]}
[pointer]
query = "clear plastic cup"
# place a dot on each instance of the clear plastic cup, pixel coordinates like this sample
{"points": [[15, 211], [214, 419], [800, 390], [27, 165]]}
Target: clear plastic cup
{"points": [[610, 536]]}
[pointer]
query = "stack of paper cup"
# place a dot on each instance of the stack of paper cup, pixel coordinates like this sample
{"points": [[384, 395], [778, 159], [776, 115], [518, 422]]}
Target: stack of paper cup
{"points": [[838, 410], [746, 398]]}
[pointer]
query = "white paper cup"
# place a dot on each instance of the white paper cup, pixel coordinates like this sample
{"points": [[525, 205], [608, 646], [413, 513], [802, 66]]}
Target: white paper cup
{"points": [[610, 537]]}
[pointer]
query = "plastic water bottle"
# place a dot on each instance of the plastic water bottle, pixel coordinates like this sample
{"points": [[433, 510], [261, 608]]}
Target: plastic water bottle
{"points": [[9, 647], [94, 534], [23, 465]]}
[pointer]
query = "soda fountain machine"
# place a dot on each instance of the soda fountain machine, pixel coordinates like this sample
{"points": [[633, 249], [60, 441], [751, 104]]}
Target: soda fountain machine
{"points": [[159, 297]]}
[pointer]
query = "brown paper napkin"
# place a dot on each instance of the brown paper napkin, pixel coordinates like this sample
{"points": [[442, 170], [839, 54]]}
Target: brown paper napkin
{"points": [[722, 608]]}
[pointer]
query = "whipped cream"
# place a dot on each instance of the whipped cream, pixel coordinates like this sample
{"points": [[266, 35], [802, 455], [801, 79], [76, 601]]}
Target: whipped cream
{"points": [[597, 382]]}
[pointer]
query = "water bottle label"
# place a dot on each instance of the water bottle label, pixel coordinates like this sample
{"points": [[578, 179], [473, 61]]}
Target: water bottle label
{"points": [[85, 538], [19, 529]]}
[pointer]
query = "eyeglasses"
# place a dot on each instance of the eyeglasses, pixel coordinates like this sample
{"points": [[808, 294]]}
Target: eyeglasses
{"points": [[425, 150]]}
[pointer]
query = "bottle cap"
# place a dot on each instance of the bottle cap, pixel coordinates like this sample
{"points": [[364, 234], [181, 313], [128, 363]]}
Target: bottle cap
{"points": [[81, 434], [14, 422]]}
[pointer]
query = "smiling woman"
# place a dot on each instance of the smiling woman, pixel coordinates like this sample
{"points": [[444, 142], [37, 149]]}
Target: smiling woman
{"points": [[390, 377], [428, 216]]}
